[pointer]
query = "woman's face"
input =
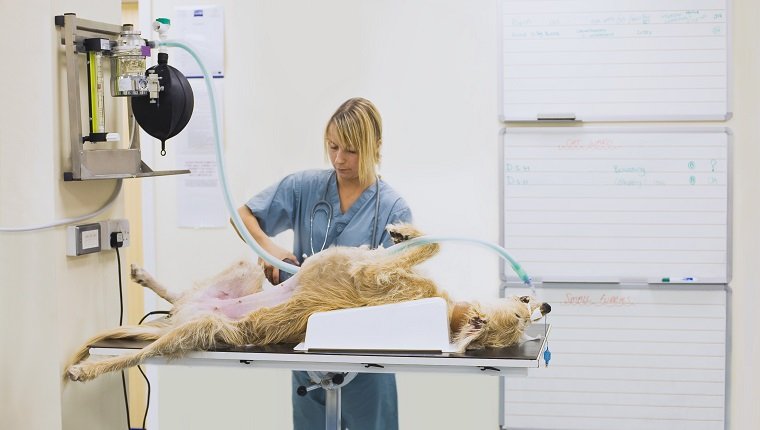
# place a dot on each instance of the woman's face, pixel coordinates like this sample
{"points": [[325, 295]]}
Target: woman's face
{"points": [[345, 162]]}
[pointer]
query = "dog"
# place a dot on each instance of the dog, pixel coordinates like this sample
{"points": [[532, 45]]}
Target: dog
{"points": [[233, 308]]}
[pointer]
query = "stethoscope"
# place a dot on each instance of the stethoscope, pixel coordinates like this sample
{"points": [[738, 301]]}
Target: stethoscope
{"points": [[324, 206]]}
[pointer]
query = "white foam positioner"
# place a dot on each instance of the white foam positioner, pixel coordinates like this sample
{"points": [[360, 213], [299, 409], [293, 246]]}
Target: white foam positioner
{"points": [[417, 325]]}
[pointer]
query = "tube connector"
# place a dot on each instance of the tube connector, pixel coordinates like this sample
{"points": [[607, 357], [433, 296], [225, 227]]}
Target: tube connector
{"points": [[161, 26]]}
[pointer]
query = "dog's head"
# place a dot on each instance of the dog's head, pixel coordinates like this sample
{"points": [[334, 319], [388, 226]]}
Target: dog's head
{"points": [[528, 307], [505, 321]]}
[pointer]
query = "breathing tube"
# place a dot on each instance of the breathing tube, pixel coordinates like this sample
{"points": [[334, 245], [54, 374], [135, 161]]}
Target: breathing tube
{"points": [[238, 222]]}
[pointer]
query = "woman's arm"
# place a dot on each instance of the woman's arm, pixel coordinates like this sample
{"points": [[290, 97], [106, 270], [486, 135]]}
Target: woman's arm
{"points": [[252, 225]]}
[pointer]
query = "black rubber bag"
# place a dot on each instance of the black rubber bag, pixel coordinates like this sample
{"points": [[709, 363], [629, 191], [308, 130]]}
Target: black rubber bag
{"points": [[170, 114]]}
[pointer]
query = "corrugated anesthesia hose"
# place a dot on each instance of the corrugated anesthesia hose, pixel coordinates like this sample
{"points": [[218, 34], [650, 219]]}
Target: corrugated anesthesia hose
{"points": [[290, 268]]}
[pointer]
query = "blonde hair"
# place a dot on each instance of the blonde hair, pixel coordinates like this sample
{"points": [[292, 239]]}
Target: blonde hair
{"points": [[360, 128]]}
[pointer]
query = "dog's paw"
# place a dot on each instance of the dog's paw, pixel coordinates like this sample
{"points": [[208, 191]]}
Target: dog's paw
{"points": [[474, 325], [137, 274], [402, 232], [468, 335], [478, 322], [75, 373]]}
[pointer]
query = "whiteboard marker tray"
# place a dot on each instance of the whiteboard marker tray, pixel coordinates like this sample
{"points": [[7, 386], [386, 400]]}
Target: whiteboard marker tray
{"points": [[417, 325]]}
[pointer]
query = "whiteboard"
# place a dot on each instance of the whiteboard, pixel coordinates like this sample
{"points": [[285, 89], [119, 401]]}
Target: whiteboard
{"points": [[626, 359], [624, 205], [615, 60]]}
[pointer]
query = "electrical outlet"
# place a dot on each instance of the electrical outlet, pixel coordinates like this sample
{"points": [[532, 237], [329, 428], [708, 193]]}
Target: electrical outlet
{"points": [[83, 239], [119, 226]]}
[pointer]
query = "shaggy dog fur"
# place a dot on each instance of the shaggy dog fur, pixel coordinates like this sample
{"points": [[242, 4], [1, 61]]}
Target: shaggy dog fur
{"points": [[233, 309]]}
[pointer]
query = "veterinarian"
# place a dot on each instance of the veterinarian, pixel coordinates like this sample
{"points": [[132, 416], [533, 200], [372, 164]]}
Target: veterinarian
{"points": [[348, 205]]}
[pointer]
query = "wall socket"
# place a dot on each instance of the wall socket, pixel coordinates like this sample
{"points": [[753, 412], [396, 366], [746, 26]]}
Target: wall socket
{"points": [[90, 238], [83, 239], [114, 226]]}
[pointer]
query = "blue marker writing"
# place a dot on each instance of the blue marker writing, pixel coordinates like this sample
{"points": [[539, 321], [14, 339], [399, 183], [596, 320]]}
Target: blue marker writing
{"points": [[677, 279]]}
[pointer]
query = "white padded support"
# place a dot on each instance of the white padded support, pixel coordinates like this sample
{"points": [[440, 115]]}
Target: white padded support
{"points": [[417, 325]]}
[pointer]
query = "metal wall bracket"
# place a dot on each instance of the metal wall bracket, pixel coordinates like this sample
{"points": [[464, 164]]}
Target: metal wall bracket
{"points": [[96, 163]]}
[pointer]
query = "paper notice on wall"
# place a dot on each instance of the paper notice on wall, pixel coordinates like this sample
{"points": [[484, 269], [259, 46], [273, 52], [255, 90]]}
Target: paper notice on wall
{"points": [[200, 200], [202, 28]]}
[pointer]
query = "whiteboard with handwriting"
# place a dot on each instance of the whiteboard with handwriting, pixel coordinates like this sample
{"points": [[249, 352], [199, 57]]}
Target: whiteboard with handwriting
{"points": [[622, 205], [615, 60], [626, 359]]}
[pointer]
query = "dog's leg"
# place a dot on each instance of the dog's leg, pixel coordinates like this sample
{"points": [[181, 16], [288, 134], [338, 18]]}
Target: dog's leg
{"points": [[284, 323], [201, 334], [411, 256], [384, 285], [149, 331], [472, 329], [140, 276], [389, 278]]}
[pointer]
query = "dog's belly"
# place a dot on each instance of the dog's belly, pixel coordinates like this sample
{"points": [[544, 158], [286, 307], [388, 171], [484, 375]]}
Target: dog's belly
{"points": [[241, 306]]}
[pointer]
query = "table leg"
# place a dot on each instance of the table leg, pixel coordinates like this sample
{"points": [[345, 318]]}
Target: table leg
{"points": [[332, 409]]}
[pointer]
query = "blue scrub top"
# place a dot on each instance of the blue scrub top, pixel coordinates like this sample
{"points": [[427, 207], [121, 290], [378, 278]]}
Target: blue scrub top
{"points": [[290, 203]]}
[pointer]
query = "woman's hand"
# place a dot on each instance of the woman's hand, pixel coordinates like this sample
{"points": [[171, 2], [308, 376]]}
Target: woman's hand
{"points": [[272, 273], [252, 225]]}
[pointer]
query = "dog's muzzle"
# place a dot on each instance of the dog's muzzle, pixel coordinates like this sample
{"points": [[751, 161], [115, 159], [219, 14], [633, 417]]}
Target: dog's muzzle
{"points": [[540, 311]]}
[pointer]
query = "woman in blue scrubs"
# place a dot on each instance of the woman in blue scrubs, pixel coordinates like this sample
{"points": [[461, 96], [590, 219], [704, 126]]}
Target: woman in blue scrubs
{"points": [[348, 205]]}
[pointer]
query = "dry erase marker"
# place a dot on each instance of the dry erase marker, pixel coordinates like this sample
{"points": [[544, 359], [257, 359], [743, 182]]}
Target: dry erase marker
{"points": [[677, 279]]}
